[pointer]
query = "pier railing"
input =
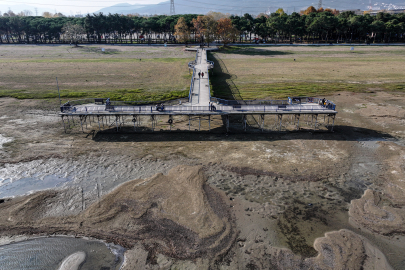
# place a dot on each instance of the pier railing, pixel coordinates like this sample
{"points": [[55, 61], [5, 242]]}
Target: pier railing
{"points": [[191, 86], [220, 105], [289, 101], [153, 109]]}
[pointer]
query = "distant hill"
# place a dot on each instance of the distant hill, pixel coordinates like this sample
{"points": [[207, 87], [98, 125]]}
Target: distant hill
{"points": [[120, 8], [243, 6]]}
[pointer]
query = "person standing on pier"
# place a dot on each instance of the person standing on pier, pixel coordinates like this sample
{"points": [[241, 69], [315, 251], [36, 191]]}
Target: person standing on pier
{"points": [[202, 74]]}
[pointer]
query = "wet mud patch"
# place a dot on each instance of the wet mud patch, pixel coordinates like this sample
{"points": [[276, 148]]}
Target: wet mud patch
{"points": [[244, 171], [302, 209], [301, 223]]}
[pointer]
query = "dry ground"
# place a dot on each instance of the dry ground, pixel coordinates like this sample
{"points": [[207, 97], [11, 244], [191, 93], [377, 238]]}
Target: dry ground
{"points": [[263, 72], [283, 191], [30, 71]]}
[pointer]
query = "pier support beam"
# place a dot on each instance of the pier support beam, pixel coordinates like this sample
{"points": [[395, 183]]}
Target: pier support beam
{"points": [[315, 116], [170, 121], [116, 121], [297, 121], [134, 121], [244, 122], [153, 119], [333, 121], [227, 123], [262, 118], [98, 119], [63, 121], [81, 122]]}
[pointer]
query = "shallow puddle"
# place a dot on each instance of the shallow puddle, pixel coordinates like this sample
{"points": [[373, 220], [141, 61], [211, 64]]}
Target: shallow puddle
{"points": [[12, 188], [48, 253]]}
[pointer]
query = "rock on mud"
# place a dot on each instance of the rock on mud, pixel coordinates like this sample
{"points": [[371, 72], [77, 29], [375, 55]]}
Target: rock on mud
{"points": [[73, 262]]}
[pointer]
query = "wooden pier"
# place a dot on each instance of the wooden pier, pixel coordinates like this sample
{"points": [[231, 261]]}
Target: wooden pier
{"points": [[263, 115]]}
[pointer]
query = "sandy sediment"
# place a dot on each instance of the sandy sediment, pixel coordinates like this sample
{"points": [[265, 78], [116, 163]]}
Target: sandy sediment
{"points": [[177, 196], [174, 214], [369, 212], [342, 249], [345, 249], [383, 212], [73, 261]]}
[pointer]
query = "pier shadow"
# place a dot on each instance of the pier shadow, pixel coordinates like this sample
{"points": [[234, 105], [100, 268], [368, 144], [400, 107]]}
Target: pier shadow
{"points": [[340, 133], [253, 51], [224, 86], [222, 82]]}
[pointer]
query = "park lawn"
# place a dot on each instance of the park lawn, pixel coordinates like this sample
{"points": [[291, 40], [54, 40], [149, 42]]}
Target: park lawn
{"points": [[271, 72], [126, 73]]}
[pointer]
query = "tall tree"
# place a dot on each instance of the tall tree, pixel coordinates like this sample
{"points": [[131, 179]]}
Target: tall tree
{"points": [[210, 29], [310, 10], [226, 32], [261, 28], [73, 32], [280, 11], [296, 25], [198, 27], [182, 30]]}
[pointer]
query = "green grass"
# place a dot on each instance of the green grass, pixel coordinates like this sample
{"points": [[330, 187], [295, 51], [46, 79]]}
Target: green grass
{"points": [[118, 95], [284, 90]]}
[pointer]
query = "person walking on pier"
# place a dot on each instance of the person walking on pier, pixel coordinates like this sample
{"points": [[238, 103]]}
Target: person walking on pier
{"points": [[202, 75], [199, 74]]}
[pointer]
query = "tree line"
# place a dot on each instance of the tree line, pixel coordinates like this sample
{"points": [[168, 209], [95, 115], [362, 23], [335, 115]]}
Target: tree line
{"points": [[309, 26], [95, 28], [323, 26]]}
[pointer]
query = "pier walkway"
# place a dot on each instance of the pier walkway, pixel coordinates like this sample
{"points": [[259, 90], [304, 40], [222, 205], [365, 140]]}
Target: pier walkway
{"points": [[200, 104], [201, 91]]}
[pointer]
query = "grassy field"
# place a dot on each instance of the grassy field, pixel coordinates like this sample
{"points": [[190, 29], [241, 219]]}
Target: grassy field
{"points": [[121, 73], [272, 72], [158, 73]]}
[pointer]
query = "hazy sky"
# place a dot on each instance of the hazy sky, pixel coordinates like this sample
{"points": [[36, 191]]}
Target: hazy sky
{"points": [[73, 6]]}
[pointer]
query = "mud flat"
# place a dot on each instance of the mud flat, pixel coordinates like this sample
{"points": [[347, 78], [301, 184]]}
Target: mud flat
{"points": [[58, 252], [259, 201]]}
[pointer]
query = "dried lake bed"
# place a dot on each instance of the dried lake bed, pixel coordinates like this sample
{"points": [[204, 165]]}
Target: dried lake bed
{"points": [[281, 200]]}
